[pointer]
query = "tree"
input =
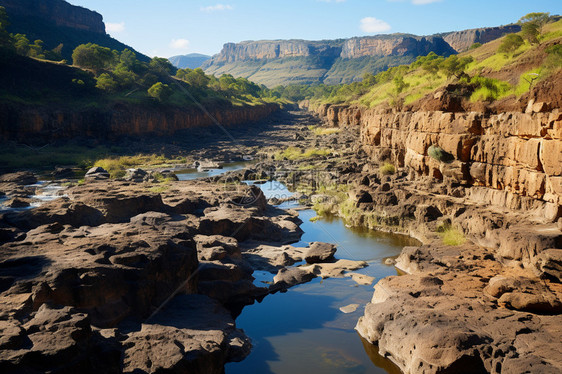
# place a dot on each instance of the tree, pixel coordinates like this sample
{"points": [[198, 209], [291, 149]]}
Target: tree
{"points": [[455, 66], [399, 84], [36, 49], [5, 38], [369, 80], [160, 91], [196, 78], [21, 43], [55, 54], [530, 32], [540, 19], [92, 56], [106, 82], [510, 44], [161, 66]]}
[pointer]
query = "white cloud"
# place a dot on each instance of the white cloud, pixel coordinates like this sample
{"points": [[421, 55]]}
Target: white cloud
{"points": [[373, 25], [216, 8], [114, 27], [181, 44]]}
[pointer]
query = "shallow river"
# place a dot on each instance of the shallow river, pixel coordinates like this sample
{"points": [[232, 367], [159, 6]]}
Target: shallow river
{"points": [[303, 330]]}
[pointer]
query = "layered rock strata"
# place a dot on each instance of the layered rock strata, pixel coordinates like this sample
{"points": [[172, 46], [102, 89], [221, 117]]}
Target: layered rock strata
{"points": [[492, 304], [31, 123]]}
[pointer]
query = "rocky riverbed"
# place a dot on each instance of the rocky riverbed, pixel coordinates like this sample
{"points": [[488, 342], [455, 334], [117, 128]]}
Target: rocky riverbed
{"points": [[138, 276]]}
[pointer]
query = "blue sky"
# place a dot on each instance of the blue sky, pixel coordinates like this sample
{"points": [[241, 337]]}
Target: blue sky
{"points": [[171, 27]]}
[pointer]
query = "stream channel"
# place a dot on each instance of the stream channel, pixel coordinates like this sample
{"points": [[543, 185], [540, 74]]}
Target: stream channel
{"points": [[304, 330]]}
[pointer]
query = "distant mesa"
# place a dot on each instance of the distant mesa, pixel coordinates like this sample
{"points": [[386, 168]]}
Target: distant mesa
{"points": [[190, 61], [283, 62]]}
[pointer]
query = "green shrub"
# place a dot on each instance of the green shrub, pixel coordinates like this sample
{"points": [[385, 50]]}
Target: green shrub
{"points": [[440, 154], [510, 44], [488, 89], [106, 82], [387, 168], [160, 91], [451, 235], [295, 153]]}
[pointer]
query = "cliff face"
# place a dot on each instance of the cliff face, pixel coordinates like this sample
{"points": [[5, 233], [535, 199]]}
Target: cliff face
{"points": [[58, 12], [515, 156], [29, 124], [259, 50], [57, 22], [463, 40], [272, 62], [394, 46]]}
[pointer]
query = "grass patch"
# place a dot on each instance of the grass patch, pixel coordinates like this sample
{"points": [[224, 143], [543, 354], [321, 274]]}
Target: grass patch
{"points": [[326, 130], [159, 188], [295, 153], [451, 235], [387, 169], [117, 166]]}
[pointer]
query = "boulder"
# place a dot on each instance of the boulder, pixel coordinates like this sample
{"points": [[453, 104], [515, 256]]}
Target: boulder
{"points": [[21, 178], [289, 277], [97, 173], [320, 252], [136, 175]]}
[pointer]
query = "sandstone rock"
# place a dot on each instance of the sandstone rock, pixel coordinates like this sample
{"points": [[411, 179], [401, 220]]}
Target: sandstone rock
{"points": [[362, 279], [335, 269], [541, 303], [97, 173], [191, 334], [289, 277], [62, 173], [17, 203], [320, 252], [21, 178], [549, 263], [349, 308], [136, 175]]}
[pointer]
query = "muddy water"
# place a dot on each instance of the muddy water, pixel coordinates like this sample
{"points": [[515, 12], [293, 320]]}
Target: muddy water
{"points": [[304, 330]]}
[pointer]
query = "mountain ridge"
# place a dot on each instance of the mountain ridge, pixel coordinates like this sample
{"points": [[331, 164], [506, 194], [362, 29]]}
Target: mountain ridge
{"points": [[190, 60], [299, 61]]}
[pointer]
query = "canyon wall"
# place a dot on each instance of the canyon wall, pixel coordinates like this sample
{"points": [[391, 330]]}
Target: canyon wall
{"points": [[29, 124], [463, 40], [57, 11], [510, 159], [394, 45]]}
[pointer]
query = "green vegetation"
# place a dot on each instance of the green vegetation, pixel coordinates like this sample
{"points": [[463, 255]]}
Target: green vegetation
{"points": [[295, 153], [108, 76], [402, 85], [451, 235], [160, 91], [325, 130], [387, 168], [510, 44], [117, 166]]}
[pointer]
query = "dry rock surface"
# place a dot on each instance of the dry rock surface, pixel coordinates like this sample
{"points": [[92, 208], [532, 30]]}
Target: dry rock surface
{"points": [[117, 278]]}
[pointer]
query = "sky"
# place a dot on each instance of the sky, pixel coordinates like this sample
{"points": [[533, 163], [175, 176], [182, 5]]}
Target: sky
{"points": [[175, 27]]}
